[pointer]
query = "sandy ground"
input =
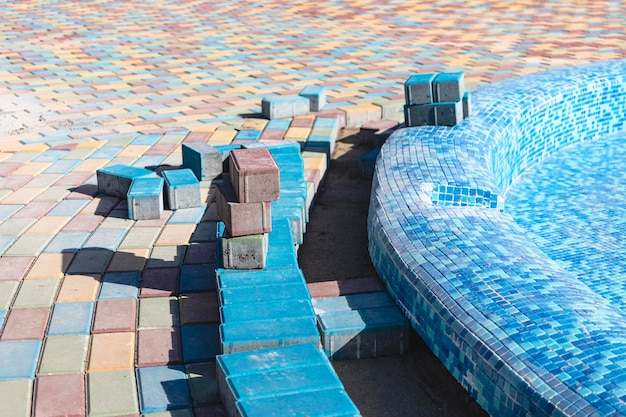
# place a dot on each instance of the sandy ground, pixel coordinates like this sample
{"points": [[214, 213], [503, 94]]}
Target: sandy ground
{"points": [[335, 247]]}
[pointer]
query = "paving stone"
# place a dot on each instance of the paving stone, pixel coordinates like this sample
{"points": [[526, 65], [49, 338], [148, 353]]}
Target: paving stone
{"points": [[163, 388], [159, 282], [78, 288], [15, 227], [116, 285], [129, 260], [420, 115], [158, 312], [82, 223], [200, 253], [316, 96], [36, 293], [145, 199], [16, 397], [140, 238], [71, 318], [103, 386], [156, 347], [90, 261], [200, 343], [244, 252], [118, 315], [14, 268], [7, 293], [204, 160], [242, 219], [254, 175], [344, 287], [187, 216], [418, 89], [197, 278], [67, 242], [284, 107], [64, 354], [18, 359], [448, 113], [28, 245], [26, 324], [449, 87], [175, 234], [116, 180], [112, 351], [202, 382], [199, 308], [166, 256]]}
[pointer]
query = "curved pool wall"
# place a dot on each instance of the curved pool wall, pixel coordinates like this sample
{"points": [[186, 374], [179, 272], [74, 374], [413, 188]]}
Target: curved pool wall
{"points": [[523, 335]]}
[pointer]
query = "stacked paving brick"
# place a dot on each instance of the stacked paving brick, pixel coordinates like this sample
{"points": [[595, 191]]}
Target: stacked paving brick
{"points": [[436, 99]]}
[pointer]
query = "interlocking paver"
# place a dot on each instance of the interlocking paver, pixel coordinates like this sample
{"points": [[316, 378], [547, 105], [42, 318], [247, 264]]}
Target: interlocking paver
{"points": [[158, 312], [7, 292], [116, 285], [26, 324], [117, 315], [18, 359], [71, 318], [64, 354], [163, 388], [79, 288], [14, 268], [36, 293], [199, 308], [159, 282], [156, 347], [15, 397], [103, 386], [112, 351]]}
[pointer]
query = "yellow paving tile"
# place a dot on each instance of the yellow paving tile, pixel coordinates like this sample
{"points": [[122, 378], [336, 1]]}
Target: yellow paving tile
{"points": [[48, 225], [32, 168], [175, 234], [112, 351], [23, 195], [133, 151], [297, 133], [90, 165], [50, 265], [225, 136], [77, 288]]}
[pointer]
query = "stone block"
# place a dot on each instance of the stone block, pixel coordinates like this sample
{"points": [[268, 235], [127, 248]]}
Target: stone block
{"points": [[364, 333], [204, 160], [263, 292], [248, 135], [261, 334], [116, 180], [449, 86], [316, 96], [244, 252], [418, 89], [182, 189], [419, 115], [282, 107], [361, 114], [448, 114], [351, 302], [254, 175], [467, 104], [145, 198], [294, 211], [228, 279], [241, 219], [325, 289], [267, 310]]}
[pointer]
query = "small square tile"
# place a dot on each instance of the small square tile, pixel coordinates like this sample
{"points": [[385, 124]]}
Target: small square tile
{"points": [[77, 288], [48, 225], [50, 265], [112, 351], [15, 397], [175, 234], [18, 358], [26, 324], [117, 285], [67, 242], [64, 354], [163, 388], [90, 261], [159, 282], [115, 316], [71, 318], [103, 238], [201, 343], [103, 386], [28, 245], [158, 312], [140, 238], [36, 293], [83, 222], [202, 383], [60, 395], [197, 278], [14, 268], [200, 253], [166, 256], [7, 291], [128, 260], [156, 347], [199, 308]]}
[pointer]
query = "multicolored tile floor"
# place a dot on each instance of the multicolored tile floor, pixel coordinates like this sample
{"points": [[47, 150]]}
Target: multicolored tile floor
{"points": [[102, 316]]}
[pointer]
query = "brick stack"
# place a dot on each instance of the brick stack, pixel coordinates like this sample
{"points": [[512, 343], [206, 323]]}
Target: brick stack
{"points": [[436, 99], [244, 206]]}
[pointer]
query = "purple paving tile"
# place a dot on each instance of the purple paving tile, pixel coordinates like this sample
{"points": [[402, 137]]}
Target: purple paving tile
{"points": [[156, 347], [159, 282], [200, 253], [14, 268], [60, 395], [199, 308]]}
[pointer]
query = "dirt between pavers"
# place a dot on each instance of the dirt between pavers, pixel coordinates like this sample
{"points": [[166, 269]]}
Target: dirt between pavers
{"points": [[415, 384]]}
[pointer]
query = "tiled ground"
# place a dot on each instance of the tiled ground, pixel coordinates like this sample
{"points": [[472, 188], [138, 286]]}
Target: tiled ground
{"points": [[101, 315]]}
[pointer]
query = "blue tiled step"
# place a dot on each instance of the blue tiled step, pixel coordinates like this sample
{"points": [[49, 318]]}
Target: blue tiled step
{"points": [[361, 326]]}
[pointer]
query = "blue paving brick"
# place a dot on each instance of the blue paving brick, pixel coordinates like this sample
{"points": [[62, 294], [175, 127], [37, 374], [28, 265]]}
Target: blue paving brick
{"points": [[187, 215], [62, 166], [197, 278], [182, 189], [7, 210], [67, 242], [248, 135], [106, 152], [50, 155], [147, 140], [18, 359], [3, 314], [106, 239], [330, 402], [266, 310], [71, 318], [163, 388], [69, 208], [201, 343], [5, 243], [145, 198], [204, 160], [116, 180], [117, 285]]}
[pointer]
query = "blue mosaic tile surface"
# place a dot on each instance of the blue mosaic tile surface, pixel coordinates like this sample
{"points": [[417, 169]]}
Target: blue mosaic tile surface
{"points": [[523, 334]]}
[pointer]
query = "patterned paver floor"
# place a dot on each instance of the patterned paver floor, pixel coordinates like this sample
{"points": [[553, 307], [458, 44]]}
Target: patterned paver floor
{"points": [[100, 315]]}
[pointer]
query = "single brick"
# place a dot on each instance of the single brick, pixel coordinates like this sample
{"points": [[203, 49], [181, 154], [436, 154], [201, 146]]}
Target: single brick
{"points": [[448, 114], [204, 160], [316, 96], [345, 287], [333, 402], [467, 104], [182, 189], [244, 252], [362, 114], [145, 198], [230, 279], [284, 107], [418, 89], [364, 333], [117, 179], [267, 310], [254, 175], [419, 115], [242, 219], [351, 302], [449, 86]]}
